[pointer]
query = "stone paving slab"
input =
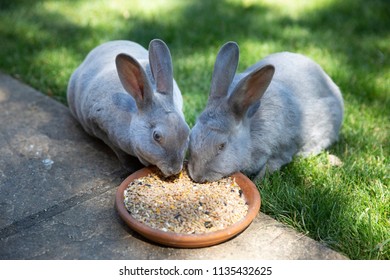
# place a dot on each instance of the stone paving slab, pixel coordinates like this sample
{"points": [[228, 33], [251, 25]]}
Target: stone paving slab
{"points": [[57, 191], [45, 159]]}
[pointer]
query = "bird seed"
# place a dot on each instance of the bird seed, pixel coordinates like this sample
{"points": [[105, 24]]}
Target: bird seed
{"points": [[178, 204]]}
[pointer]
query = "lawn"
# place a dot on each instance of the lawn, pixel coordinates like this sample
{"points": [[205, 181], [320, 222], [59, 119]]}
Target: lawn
{"points": [[343, 206]]}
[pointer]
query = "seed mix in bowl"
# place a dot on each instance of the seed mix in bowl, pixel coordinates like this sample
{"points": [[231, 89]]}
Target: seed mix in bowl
{"points": [[178, 204]]}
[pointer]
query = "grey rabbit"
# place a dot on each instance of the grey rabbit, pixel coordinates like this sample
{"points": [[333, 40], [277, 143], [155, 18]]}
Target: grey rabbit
{"points": [[127, 97], [256, 121]]}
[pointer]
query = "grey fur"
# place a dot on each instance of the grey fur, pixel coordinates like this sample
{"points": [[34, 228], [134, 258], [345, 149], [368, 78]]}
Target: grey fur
{"points": [[126, 96], [256, 121]]}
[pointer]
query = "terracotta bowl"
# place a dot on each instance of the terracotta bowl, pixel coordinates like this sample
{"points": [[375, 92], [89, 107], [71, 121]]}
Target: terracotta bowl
{"points": [[182, 240]]}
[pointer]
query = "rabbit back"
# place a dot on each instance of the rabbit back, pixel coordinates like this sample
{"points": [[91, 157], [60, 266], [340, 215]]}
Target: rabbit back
{"points": [[94, 82], [301, 112], [117, 98], [309, 97]]}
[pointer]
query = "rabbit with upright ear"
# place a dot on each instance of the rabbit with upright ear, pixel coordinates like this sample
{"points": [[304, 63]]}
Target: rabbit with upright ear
{"points": [[127, 97], [256, 121]]}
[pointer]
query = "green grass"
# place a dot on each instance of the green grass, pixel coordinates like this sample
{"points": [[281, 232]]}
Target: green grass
{"points": [[345, 207]]}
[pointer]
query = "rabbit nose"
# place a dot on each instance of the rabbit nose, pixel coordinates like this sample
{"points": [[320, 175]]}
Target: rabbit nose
{"points": [[196, 177], [173, 169]]}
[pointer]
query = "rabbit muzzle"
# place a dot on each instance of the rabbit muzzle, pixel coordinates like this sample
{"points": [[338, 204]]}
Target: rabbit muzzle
{"points": [[171, 170], [196, 173]]}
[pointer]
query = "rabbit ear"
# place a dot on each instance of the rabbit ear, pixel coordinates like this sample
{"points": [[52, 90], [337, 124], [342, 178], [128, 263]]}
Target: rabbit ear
{"points": [[224, 70], [161, 66], [245, 98], [134, 80]]}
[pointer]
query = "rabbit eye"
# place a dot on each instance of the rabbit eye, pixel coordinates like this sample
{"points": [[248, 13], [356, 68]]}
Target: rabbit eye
{"points": [[221, 147], [157, 136]]}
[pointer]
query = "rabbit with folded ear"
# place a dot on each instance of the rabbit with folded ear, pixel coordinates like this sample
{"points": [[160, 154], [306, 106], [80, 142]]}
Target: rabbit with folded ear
{"points": [[127, 97], [256, 121]]}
